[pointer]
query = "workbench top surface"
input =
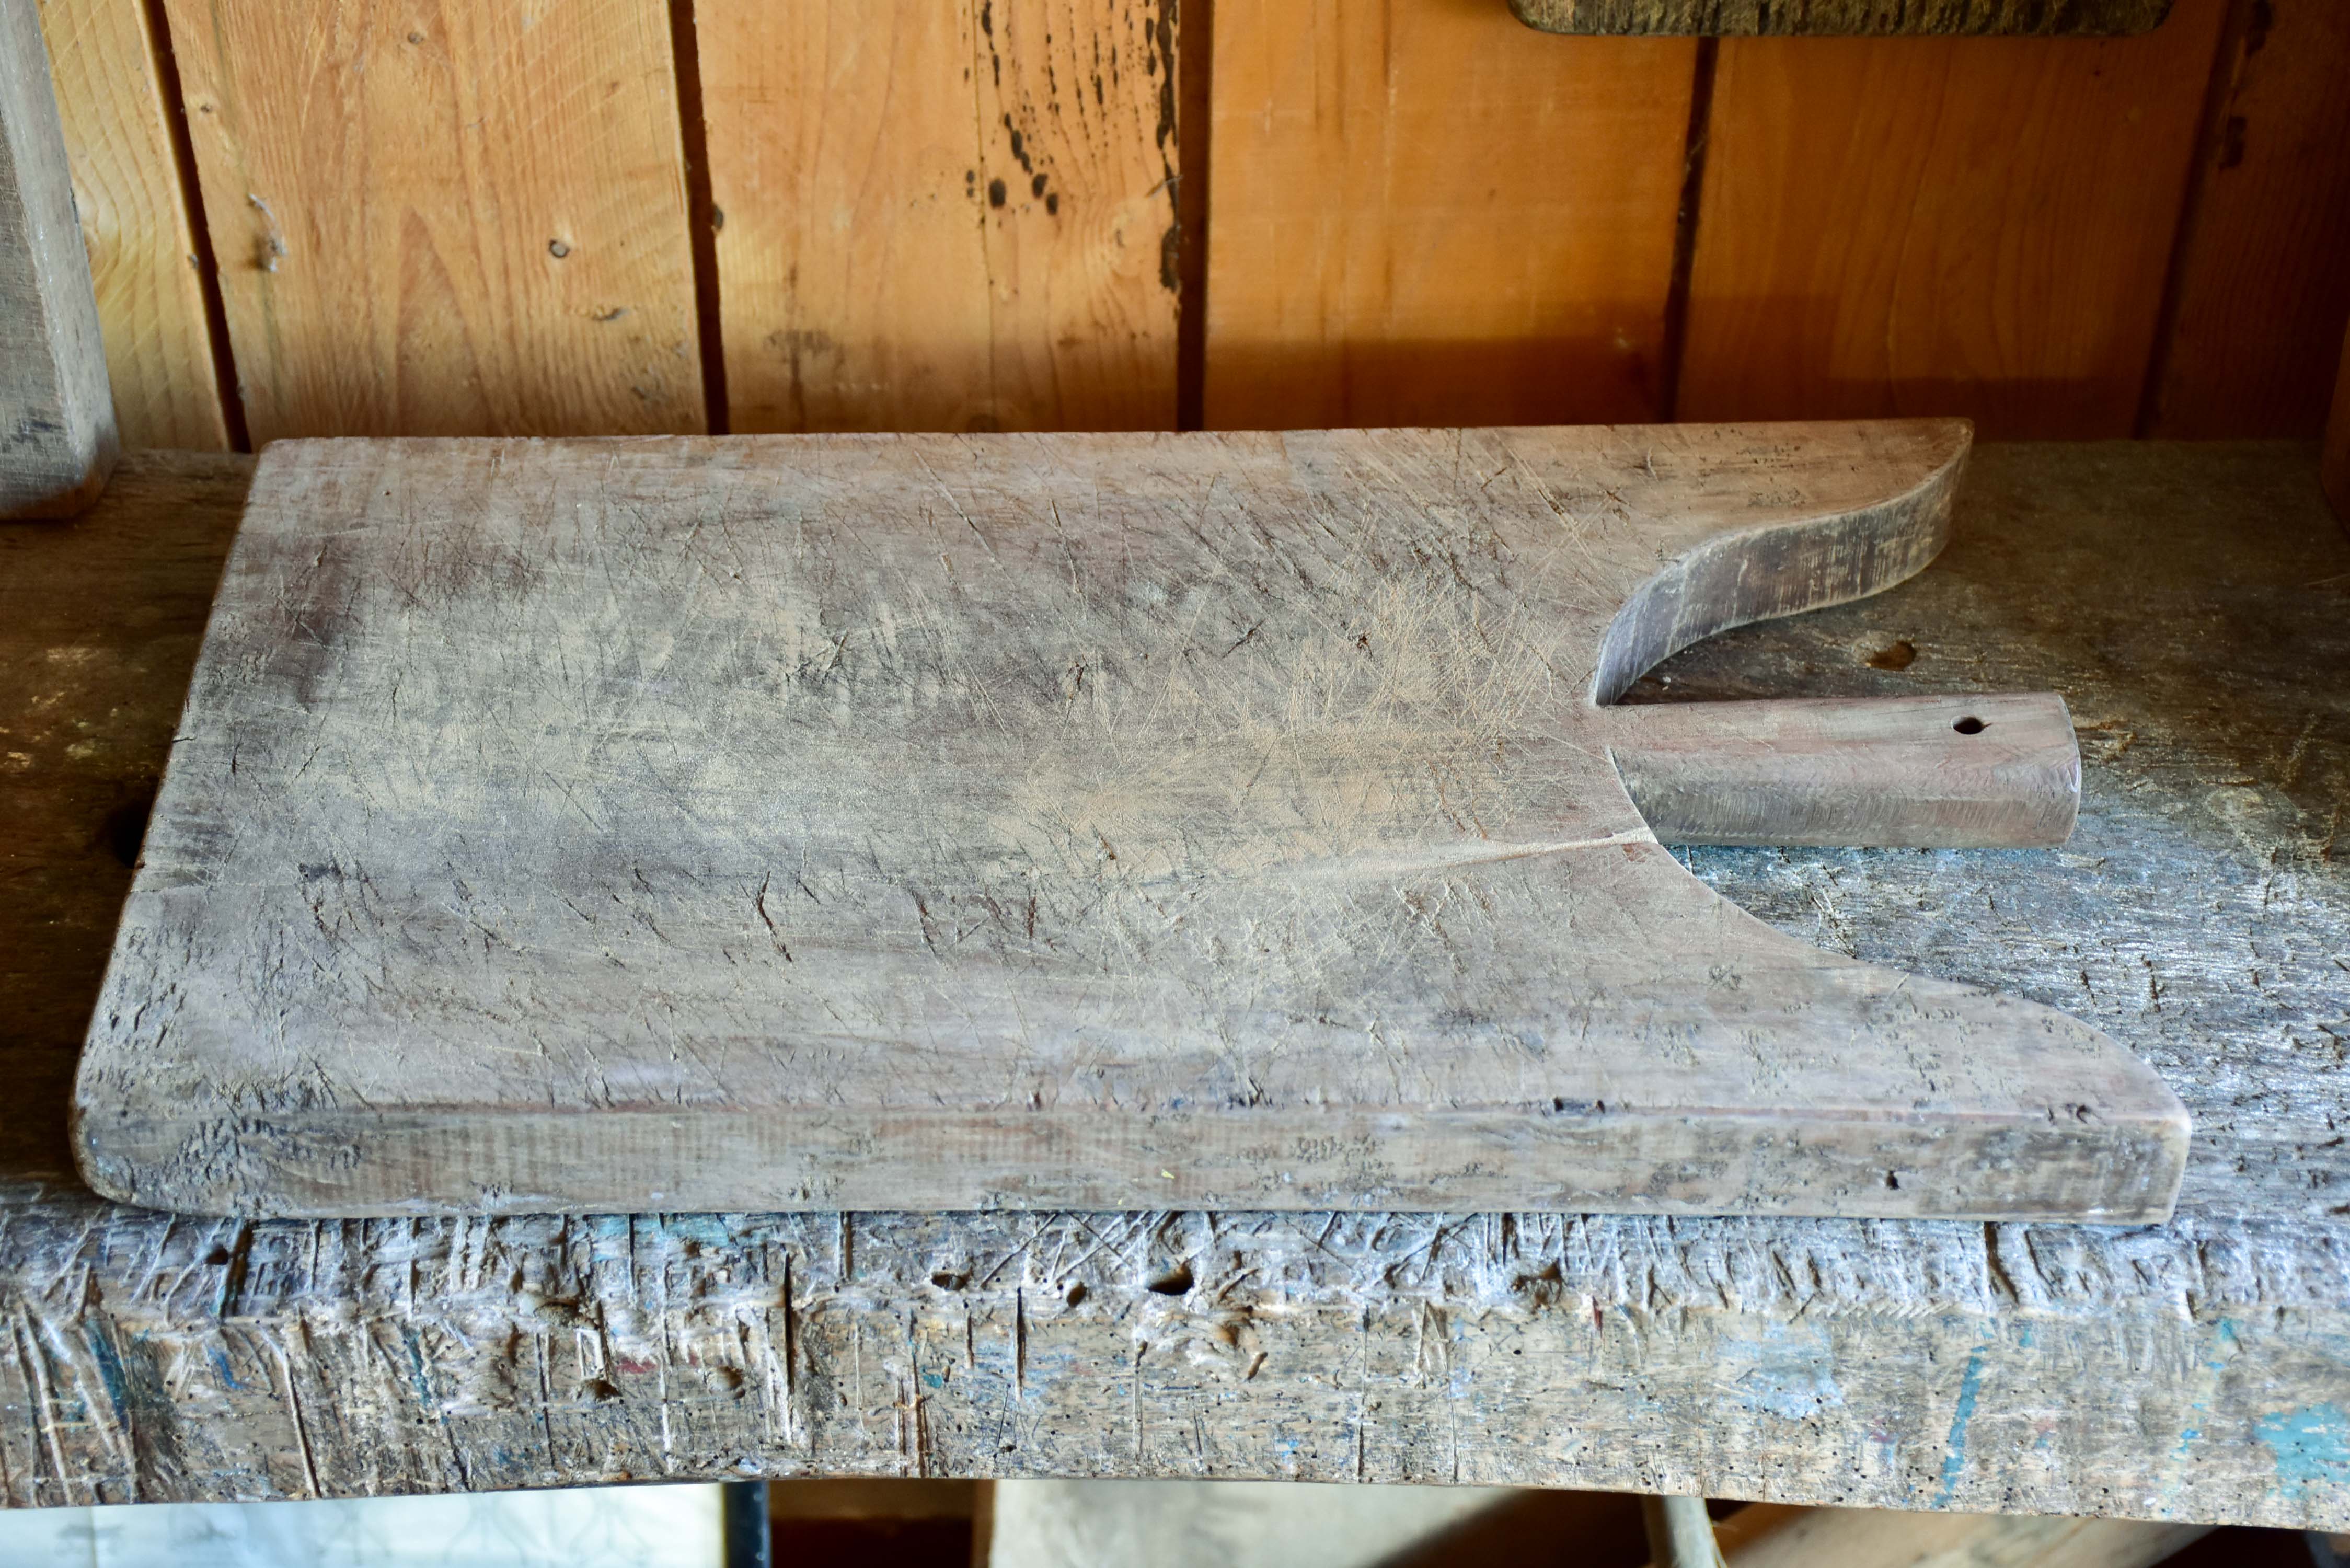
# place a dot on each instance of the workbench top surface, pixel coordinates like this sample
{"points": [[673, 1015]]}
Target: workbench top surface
{"points": [[2191, 603]]}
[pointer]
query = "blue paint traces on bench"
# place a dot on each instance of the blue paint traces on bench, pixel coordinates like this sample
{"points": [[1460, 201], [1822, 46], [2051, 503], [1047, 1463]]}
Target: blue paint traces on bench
{"points": [[1955, 1461], [1789, 1371], [2311, 1445]]}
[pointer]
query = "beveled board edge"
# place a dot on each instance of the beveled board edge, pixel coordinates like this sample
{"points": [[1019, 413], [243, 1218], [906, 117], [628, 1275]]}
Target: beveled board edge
{"points": [[2120, 1167], [1740, 576]]}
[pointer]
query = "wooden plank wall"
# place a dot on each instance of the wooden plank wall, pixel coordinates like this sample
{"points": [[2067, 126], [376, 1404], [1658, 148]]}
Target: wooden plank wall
{"points": [[944, 216], [540, 217], [1424, 214], [1962, 224]]}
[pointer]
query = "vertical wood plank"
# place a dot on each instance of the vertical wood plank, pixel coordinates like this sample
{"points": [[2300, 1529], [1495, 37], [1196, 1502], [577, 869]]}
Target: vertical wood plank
{"points": [[1963, 226], [945, 217], [447, 217], [135, 220], [1429, 214], [57, 420], [2263, 291]]}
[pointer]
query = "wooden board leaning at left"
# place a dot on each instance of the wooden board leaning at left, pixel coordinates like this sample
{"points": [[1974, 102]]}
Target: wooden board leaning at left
{"points": [[117, 97], [1095, 821], [56, 416]]}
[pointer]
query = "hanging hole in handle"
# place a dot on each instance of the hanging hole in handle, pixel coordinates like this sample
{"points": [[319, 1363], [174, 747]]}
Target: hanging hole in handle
{"points": [[1969, 725]]}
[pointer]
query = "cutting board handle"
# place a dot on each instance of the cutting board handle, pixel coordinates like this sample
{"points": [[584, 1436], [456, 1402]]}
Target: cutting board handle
{"points": [[1926, 772]]}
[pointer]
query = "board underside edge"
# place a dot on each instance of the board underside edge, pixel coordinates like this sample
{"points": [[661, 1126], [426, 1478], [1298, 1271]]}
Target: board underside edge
{"points": [[2124, 1169]]}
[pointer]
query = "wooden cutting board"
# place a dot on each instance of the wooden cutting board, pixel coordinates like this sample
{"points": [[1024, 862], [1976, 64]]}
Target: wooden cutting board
{"points": [[1081, 821]]}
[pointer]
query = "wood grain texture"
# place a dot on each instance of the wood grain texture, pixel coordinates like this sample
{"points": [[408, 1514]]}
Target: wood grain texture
{"points": [[451, 218], [1423, 215], [1942, 226], [2262, 292], [136, 223], [57, 420], [1928, 772], [1022, 822], [2192, 1371], [958, 220], [1835, 18]]}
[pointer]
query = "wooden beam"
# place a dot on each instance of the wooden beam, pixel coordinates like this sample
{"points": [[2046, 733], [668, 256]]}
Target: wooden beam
{"points": [[56, 416]]}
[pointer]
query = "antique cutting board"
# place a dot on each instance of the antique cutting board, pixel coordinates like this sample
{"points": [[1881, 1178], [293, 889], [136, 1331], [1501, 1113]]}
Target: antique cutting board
{"points": [[1082, 821]]}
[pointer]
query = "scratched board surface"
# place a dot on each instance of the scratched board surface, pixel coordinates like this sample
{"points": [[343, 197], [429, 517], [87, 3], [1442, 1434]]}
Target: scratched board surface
{"points": [[955, 821]]}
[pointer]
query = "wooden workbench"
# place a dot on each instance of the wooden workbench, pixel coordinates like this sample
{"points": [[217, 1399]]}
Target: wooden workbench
{"points": [[2192, 603]]}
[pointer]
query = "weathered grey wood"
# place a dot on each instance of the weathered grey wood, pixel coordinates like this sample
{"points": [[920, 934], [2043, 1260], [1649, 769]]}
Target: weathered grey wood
{"points": [[1823, 18], [1922, 773], [57, 412], [1088, 821], [2188, 599]]}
